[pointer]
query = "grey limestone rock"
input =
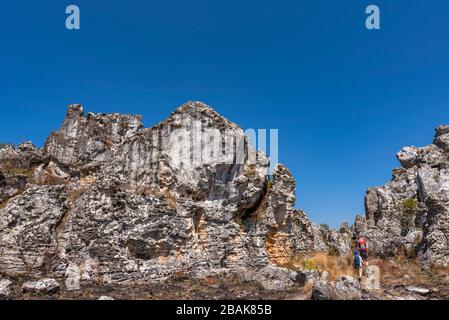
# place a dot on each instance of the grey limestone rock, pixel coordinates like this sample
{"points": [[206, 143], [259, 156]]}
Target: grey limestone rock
{"points": [[4, 289], [409, 215], [43, 286], [109, 200], [345, 288]]}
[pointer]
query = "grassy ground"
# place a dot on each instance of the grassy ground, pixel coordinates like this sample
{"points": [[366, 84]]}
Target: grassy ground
{"points": [[396, 275], [206, 289]]}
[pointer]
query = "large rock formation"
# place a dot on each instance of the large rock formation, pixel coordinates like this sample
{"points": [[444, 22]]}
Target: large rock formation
{"points": [[410, 215], [109, 200]]}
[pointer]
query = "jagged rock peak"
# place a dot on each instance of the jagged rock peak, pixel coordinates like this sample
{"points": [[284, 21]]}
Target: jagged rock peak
{"points": [[410, 214], [74, 110], [195, 106], [442, 137], [106, 200], [198, 111], [440, 130]]}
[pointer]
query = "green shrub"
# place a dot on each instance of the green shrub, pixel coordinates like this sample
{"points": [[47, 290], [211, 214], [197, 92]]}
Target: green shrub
{"points": [[410, 206], [269, 184], [309, 264]]}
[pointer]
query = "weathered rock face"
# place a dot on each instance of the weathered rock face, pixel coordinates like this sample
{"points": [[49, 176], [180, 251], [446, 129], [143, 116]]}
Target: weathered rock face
{"points": [[4, 289], [109, 200], [410, 215], [43, 286], [15, 165], [272, 278], [345, 288]]}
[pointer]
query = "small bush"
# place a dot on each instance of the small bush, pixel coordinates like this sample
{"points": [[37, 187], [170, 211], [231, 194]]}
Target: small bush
{"points": [[325, 227], [269, 185], [309, 264], [410, 206], [3, 203]]}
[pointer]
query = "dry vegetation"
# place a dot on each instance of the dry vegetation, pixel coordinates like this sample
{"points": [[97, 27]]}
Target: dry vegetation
{"points": [[335, 266], [3, 203], [75, 195], [171, 201], [14, 171], [409, 272], [48, 181], [396, 274], [393, 271]]}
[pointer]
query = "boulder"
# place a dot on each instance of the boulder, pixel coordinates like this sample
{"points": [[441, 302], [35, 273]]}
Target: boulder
{"points": [[442, 141], [345, 288], [43, 286], [4, 289], [322, 290], [422, 291], [51, 173], [407, 156], [272, 277], [311, 276], [441, 130]]}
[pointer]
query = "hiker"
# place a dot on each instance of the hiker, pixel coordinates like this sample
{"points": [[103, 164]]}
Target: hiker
{"points": [[362, 246], [358, 264]]}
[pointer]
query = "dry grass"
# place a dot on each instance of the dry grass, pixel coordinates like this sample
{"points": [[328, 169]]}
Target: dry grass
{"points": [[308, 287], [3, 203], [400, 270], [440, 270], [171, 201], [15, 171], [48, 181], [335, 266], [75, 195], [148, 192]]}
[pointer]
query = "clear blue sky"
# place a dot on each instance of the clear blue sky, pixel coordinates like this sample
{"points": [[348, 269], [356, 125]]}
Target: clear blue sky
{"points": [[344, 99]]}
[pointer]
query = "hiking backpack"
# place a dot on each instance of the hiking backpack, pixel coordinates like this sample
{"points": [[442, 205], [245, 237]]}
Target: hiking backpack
{"points": [[357, 262], [364, 248]]}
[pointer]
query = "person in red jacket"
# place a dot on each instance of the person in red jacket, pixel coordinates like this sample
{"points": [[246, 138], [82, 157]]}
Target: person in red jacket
{"points": [[362, 246]]}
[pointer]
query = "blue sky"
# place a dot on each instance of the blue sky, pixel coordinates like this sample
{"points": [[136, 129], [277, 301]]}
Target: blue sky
{"points": [[344, 99]]}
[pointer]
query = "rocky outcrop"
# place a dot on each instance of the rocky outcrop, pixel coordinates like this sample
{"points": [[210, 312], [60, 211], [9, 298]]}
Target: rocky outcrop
{"points": [[5, 292], [109, 200], [409, 216], [272, 278], [16, 165], [43, 286], [345, 288]]}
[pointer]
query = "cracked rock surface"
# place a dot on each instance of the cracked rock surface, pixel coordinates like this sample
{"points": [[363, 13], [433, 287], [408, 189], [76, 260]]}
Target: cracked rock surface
{"points": [[109, 200], [410, 215]]}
